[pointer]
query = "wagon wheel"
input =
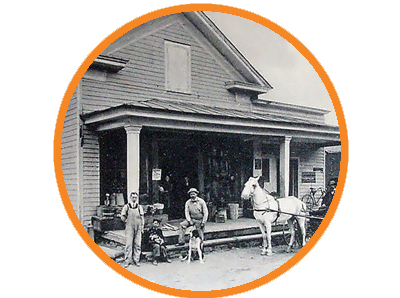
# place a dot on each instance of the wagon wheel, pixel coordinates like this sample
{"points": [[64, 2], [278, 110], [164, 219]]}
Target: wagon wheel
{"points": [[285, 234], [311, 227], [309, 201]]}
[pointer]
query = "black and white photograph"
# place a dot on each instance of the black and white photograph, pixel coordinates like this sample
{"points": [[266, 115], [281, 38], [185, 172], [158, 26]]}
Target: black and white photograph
{"points": [[174, 153], [172, 149]]}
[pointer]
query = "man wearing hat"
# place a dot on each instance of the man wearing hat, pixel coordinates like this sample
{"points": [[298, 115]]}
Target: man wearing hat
{"points": [[330, 192], [196, 214]]}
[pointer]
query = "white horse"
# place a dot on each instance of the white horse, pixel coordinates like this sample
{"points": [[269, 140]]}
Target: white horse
{"points": [[267, 210]]}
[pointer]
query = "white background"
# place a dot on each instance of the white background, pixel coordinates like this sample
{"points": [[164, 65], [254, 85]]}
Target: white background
{"points": [[43, 44]]}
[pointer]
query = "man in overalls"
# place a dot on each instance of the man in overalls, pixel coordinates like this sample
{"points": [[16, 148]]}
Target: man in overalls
{"points": [[133, 216]]}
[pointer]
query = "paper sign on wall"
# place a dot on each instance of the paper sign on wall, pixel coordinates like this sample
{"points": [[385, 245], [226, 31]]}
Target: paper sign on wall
{"points": [[156, 175]]}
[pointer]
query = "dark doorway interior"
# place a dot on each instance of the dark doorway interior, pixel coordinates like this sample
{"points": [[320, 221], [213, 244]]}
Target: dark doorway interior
{"points": [[179, 161], [113, 163], [294, 177]]}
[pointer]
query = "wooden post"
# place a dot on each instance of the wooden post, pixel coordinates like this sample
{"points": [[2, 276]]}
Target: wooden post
{"points": [[284, 169], [133, 157], [155, 165]]}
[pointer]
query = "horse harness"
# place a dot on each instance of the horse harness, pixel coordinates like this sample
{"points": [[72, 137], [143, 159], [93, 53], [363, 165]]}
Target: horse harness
{"points": [[278, 212]]}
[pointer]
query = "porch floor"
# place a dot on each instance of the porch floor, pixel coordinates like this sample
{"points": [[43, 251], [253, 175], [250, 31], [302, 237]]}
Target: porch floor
{"points": [[229, 232]]}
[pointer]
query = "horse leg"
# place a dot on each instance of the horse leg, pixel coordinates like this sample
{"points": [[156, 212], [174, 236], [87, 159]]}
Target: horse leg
{"points": [[292, 234], [268, 229], [302, 224], [264, 241]]}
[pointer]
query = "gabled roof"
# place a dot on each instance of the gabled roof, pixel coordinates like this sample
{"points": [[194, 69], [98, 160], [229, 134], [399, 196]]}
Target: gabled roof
{"points": [[226, 47], [255, 82]]}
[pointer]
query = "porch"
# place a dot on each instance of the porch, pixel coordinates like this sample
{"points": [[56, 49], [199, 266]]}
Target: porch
{"points": [[229, 233]]}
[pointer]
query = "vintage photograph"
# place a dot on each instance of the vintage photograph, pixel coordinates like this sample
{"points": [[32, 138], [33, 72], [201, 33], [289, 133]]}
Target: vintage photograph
{"points": [[201, 151]]}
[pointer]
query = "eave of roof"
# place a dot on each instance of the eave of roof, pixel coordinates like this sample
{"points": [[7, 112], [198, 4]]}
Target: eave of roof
{"points": [[293, 107], [109, 64], [246, 87], [163, 114]]}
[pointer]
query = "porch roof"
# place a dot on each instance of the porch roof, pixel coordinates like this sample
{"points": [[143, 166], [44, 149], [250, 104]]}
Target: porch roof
{"points": [[189, 116]]}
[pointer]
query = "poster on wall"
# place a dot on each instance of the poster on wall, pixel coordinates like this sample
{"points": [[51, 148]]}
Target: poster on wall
{"points": [[308, 177], [257, 164], [156, 175]]}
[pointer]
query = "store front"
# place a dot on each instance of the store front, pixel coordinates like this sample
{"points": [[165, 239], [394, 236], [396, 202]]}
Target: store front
{"points": [[171, 162], [136, 124]]}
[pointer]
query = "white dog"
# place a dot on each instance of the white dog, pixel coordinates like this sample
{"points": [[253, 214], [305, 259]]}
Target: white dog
{"points": [[195, 245]]}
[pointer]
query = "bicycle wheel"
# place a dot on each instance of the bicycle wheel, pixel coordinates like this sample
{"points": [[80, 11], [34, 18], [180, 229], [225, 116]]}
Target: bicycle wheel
{"points": [[319, 194], [308, 200]]}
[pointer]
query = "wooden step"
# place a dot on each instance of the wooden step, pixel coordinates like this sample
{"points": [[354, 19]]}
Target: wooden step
{"points": [[231, 233]]}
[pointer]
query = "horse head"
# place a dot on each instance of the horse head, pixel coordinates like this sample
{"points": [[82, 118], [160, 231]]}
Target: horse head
{"points": [[249, 188]]}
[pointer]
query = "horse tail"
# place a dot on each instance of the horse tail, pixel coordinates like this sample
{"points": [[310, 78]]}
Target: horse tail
{"points": [[303, 209]]}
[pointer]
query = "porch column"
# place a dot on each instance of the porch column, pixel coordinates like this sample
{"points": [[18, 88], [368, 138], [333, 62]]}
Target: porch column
{"points": [[284, 161], [133, 157]]}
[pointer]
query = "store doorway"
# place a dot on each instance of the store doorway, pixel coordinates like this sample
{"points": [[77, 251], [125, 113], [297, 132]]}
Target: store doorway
{"points": [[178, 160], [293, 177]]}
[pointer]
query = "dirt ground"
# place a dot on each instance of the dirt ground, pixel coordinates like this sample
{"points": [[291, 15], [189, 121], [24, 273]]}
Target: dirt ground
{"points": [[222, 269]]}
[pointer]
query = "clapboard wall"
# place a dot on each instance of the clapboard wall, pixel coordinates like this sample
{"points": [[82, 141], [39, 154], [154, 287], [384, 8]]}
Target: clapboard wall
{"points": [[70, 152], [310, 159], [91, 175], [143, 78]]}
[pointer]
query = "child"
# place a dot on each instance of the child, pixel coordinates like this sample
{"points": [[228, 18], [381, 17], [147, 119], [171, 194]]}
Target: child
{"points": [[157, 243]]}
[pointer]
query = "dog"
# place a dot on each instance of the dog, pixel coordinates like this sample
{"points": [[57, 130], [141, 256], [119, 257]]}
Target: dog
{"points": [[195, 246]]}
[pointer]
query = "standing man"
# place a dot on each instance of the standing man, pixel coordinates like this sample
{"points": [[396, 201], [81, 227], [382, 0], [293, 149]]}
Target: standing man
{"points": [[133, 216], [196, 214]]}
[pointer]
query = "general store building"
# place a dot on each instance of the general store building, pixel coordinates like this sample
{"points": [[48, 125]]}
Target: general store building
{"points": [[174, 97]]}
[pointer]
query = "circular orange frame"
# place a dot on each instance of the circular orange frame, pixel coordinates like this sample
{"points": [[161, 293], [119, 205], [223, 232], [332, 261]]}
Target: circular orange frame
{"points": [[214, 8]]}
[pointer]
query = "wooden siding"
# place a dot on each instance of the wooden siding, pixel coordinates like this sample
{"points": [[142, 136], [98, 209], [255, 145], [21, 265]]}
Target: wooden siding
{"points": [[80, 164], [144, 76], [91, 176], [308, 160], [69, 149]]}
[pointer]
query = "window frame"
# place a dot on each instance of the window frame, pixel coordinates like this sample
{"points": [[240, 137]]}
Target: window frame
{"points": [[169, 83]]}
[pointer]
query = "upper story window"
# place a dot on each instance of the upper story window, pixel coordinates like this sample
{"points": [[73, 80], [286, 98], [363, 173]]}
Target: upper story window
{"points": [[177, 67]]}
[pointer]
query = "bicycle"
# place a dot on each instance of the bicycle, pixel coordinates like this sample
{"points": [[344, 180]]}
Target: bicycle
{"points": [[314, 197]]}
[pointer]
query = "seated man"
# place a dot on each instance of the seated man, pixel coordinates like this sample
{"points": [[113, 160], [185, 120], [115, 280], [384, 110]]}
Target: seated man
{"points": [[157, 243], [330, 192], [196, 214]]}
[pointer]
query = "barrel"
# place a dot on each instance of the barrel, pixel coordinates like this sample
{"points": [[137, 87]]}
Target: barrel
{"points": [[221, 216]]}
